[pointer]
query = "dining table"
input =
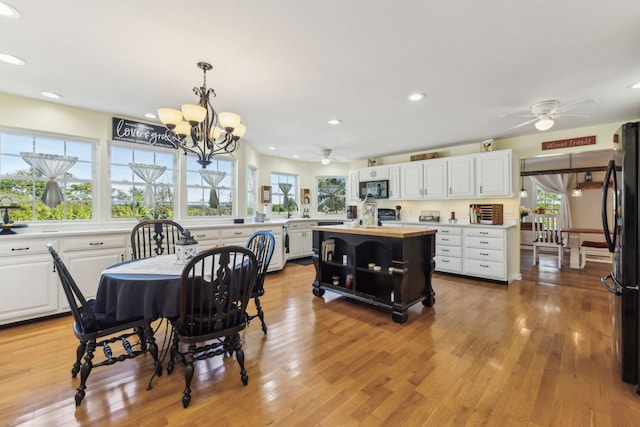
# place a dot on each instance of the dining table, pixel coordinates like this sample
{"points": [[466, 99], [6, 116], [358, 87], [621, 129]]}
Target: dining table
{"points": [[573, 242]]}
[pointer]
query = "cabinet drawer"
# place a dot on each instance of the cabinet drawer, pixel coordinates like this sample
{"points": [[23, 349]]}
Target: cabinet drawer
{"points": [[451, 264], [494, 270], [484, 242], [230, 233], [94, 242], [205, 235], [453, 231], [453, 251], [448, 240], [26, 247], [273, 229], [484, 254], [484, 232], [302, 225]]}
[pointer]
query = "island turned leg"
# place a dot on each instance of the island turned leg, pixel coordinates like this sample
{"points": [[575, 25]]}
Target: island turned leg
{"points": [[428, 265], [399, 310], [317, 291]]}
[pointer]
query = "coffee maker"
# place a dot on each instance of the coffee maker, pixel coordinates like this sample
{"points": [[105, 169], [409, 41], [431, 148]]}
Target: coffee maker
{"points": [[352, 212]]}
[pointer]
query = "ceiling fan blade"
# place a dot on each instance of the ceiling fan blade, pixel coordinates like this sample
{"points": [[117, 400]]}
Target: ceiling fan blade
{"points": [[523, 124], [561, 109], [517, 115]]}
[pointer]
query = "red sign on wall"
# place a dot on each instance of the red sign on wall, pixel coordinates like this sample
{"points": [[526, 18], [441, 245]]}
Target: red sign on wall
{"points": [[567, 143]]}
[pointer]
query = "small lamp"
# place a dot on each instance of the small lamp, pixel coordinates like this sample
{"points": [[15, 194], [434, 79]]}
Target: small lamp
{"points": [[523, 191], [577, 191], [186, 248], [370, 212]]}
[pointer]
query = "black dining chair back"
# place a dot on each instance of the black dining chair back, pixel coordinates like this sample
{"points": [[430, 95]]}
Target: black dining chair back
{"points": [[214, 292], [262, 244], [95, 329], [155, 237]]}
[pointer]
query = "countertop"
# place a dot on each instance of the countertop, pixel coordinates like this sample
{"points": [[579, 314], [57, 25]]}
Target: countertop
{"points": [[403, 223], [382, 231]]}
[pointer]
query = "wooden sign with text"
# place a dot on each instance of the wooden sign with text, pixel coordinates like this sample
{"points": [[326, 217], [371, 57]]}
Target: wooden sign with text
{"points": [[568, 143], [140, 133]]}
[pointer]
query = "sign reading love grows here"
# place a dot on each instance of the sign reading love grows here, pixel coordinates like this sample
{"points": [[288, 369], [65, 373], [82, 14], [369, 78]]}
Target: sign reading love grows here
{"points": [[140, 133]]}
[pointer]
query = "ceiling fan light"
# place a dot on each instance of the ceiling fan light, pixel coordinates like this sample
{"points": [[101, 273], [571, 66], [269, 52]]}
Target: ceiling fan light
{"points": [[325, 161], [544, 123]]}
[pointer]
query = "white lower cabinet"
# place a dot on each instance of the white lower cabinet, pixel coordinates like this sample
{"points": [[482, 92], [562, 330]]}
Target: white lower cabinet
{"points": [[277, 259], [300, 238], [87, 257], [474, 251], [29, 285]]}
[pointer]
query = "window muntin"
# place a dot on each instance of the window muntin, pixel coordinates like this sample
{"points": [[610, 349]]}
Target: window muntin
{"points": [[199, 195], [127, 189], [277, 196], [331, 194], [25, 186], [549, 201]]}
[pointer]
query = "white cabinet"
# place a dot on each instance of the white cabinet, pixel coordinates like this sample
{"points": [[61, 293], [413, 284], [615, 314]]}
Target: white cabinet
{"points": [[207, 238], [277, 259], [29, 285], [353, 186], [394, 182], [236, 236], [461, 176], [300, 238], [86, 258], [493, 174], [374, 173], [425, 179], [449, 249], [485, 253]]}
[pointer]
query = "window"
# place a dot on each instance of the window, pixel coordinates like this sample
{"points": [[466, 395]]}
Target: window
{"points": [[549, 201], [203, 199], [25, 185], [128, 189], [278, 196], [252, 190], [331, 193]]}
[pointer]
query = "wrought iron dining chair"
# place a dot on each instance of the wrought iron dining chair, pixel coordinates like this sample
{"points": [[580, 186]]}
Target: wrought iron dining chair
{"points": [[215, 289], [262, 244], [546, 234], [94, 329], [154, 237]]}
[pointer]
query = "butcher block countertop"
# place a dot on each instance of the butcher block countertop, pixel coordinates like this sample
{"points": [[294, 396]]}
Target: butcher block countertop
{"points": [[395, 232]]}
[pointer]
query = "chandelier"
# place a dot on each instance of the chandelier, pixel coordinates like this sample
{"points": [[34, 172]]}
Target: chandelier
{"points": [[199, 129]]}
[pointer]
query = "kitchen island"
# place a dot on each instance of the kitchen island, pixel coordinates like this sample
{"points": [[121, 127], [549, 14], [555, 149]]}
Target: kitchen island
{"points": [[383, 266]]}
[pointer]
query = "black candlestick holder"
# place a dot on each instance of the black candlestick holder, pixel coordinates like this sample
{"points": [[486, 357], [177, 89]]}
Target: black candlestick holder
{"points": [[6, 221]]}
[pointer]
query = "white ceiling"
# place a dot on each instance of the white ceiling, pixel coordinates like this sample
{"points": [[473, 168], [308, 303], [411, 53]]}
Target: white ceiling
{"points": [[288, 66]]}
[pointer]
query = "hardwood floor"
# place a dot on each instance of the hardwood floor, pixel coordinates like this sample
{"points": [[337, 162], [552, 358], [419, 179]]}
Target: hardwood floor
{"points": [[534, 353]]}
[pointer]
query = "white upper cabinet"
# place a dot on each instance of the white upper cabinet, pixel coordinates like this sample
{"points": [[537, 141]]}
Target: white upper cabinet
{"points": [[353, 186], [461, 176], [374, 173], [411, 181], [425, 179], [493, 174], [394, 182]]}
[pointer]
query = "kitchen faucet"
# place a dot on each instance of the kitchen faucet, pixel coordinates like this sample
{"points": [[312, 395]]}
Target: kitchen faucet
{"points": [[289, 208]]}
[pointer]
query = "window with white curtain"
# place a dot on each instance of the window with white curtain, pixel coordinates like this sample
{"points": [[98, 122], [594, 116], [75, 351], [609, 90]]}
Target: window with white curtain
{"points": [[277, 195], [252, 190], [128, 188], [210, 198], [25, 184]]}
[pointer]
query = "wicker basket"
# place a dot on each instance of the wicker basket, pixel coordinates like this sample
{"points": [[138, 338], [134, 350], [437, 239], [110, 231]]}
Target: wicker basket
{"points": [[424, 156]]}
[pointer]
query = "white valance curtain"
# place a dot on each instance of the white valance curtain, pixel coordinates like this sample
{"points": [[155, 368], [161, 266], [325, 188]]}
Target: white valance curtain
{"points": [[213, 178], [51, 166], [559, 184], [149, 174]]}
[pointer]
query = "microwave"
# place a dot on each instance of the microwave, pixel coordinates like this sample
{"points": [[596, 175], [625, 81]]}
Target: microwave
{"points": [[378, 189]]}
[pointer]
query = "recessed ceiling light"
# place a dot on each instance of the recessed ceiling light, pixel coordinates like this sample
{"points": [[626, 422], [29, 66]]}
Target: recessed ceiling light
{"points": [[334, 121], [635, 86], [272, 148], [51, 95], [10, 59], [150, 116], [417, 96], [295, 156], [7, 11]]}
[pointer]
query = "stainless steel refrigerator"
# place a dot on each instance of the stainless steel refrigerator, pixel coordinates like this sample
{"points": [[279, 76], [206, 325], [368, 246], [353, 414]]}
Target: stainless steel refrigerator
{"points": [[622, 233]]}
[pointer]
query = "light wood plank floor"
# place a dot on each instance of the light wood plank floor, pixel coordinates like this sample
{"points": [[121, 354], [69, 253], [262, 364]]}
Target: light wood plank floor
{"points": [[535, 353]]}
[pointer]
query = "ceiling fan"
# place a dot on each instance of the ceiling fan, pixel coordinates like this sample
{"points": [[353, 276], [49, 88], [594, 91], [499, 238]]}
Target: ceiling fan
{"points": [[545, 113]]}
